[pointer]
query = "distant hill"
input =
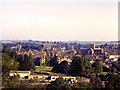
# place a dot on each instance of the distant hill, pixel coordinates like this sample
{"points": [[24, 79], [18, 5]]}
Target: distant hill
{"points": [[7, 41], [115, 42], [81, 42]]}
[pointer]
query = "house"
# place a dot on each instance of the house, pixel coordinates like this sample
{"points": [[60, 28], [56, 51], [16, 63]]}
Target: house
{"points": [[70, 78], [113, 57], [38, 76], [53, 78], [22, 74], [96, 51]]}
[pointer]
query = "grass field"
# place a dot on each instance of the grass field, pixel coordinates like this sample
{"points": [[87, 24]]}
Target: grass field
{"points": [[104, 73], [43, 68]]}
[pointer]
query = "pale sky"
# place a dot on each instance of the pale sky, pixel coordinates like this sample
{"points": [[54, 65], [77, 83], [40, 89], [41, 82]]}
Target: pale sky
{"points": [[59, 21]]}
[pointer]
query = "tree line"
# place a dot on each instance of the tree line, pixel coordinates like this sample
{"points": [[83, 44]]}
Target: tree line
{"points": [[78, 66]]}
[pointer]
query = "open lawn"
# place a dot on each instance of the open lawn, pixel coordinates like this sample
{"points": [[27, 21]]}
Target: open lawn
{"points": [[43, 68], [104, 73]]}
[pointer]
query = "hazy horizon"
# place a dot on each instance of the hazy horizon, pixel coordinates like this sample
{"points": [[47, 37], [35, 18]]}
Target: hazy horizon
{"points": [[88, 21]]}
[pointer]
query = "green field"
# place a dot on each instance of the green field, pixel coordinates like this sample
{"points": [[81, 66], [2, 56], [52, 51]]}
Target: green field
{"points": [[104, 73], [43, 68]]}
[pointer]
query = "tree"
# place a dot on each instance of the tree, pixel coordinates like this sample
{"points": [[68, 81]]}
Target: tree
{"points": [[80, 66], [32, 65], [63, 67], [58, 84], [98, 66], [26, 62], [6, 50], [47, 58], [113, 81], [54, 63], [87, 66], [10, 81], [77, 66], [95, 83], [9, 65], [116, 64], [8, 62]]}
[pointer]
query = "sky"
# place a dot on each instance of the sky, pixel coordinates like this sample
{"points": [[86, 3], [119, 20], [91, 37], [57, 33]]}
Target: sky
{"points": [[58, 21]]}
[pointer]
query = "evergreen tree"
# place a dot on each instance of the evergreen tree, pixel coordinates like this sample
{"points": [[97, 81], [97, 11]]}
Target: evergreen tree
{"points": [[98, 66], [8, 62], [26, 62], [63, 67]]}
